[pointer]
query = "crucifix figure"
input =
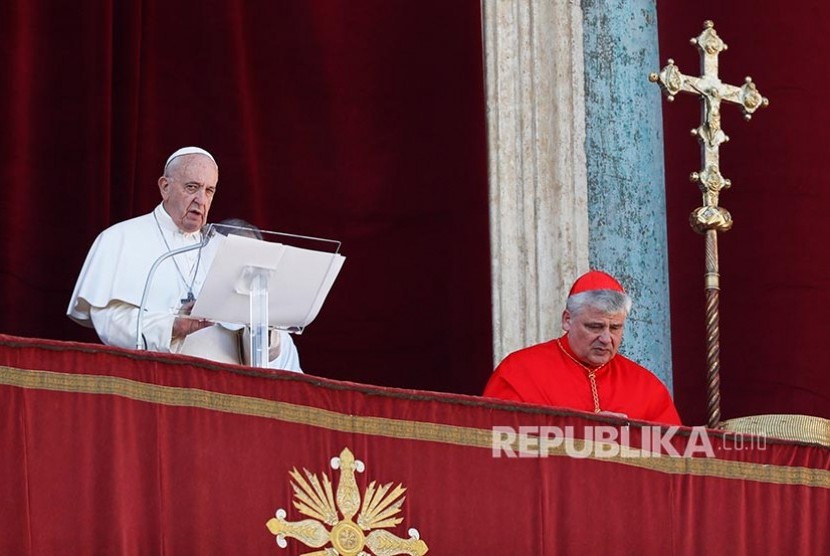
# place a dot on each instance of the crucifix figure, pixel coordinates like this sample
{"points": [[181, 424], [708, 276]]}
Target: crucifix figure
{"points": [[710, 218]]}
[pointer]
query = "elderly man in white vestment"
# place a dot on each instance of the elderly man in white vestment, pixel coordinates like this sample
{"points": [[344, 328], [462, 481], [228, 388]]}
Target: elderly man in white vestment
{"points": [[108, 293]]}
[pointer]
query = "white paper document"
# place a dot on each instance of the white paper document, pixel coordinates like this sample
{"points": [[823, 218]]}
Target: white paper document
{"points": [[298, 281]]}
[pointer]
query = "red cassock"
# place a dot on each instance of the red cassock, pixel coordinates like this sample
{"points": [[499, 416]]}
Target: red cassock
{"points": [[545, 374]]}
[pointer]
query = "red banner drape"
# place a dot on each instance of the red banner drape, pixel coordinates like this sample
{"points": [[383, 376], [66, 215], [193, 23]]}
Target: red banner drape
{"points": [[109, 451]]}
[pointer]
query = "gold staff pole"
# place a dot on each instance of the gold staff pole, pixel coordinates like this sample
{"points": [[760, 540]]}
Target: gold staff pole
{"points": [[710, 218]]}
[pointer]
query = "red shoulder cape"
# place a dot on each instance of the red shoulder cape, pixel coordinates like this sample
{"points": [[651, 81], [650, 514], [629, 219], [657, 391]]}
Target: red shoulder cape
{"points": [[544, 374]]}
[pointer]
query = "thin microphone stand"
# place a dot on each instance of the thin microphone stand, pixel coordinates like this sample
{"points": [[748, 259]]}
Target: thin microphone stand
{"points": [[139, 328]]}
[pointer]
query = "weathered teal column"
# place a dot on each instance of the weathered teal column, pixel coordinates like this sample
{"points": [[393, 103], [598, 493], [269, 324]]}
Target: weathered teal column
{"points": [[624, 150]]}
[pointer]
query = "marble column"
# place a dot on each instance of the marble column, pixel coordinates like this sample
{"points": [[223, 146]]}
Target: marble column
{"points": [[626, 185], [538, 184]]}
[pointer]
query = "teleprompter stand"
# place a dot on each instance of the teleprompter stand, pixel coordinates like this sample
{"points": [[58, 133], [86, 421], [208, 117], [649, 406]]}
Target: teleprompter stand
{"points": [[263, 283]]}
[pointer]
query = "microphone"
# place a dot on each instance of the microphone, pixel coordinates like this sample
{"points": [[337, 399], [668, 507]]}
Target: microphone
{"points": [[139, 328]]}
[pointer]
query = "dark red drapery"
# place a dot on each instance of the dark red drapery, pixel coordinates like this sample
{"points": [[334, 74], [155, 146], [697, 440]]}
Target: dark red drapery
{"points": [[358, 121], [773, 264], [364, 121]]}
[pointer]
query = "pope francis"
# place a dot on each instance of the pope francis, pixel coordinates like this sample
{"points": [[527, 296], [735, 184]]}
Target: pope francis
{"points": [[109, 289]]}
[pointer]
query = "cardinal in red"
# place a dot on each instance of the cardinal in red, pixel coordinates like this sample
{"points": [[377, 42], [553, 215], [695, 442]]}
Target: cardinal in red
{"points": [[582, 369]]}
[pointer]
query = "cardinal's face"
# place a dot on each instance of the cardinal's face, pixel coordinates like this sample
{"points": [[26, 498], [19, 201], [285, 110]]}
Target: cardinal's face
{"points": [[594, 336]]}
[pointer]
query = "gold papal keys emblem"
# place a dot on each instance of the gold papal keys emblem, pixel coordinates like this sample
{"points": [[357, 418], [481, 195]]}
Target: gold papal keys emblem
{"points": [[710, 218]]}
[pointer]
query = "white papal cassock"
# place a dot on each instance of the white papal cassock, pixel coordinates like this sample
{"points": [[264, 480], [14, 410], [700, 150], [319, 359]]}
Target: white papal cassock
{"points": [[109, 289]]}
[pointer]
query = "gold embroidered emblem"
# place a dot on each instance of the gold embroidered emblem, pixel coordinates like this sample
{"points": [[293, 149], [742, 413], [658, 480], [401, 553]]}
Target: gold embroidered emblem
{"points": [[314, 498]]}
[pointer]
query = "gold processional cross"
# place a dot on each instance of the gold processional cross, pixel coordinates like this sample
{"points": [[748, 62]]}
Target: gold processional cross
{"points": [[710, 218]]}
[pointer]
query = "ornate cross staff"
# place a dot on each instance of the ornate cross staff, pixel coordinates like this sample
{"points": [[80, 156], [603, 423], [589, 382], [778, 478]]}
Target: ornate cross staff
{"points": [[710, 218]]}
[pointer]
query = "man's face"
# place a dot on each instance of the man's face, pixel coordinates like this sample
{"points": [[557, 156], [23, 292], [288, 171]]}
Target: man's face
{"points": [[187, 191], [594, 336]]}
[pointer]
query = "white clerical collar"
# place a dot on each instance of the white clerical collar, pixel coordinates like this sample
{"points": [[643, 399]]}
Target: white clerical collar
{"points": [[167, 224]]}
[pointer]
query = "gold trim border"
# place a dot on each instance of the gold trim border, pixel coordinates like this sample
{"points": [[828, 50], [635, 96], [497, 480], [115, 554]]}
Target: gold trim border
{"points": [[799, 428], [175, 396]]}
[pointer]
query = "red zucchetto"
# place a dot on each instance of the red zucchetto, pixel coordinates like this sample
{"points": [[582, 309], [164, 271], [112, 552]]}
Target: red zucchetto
{"points": [[595, 280]]}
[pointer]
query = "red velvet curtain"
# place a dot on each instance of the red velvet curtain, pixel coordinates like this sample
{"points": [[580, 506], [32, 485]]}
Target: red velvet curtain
{"points": [[774, 266], [364, 121], [361, 121]]}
